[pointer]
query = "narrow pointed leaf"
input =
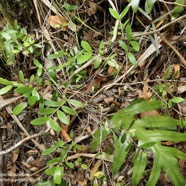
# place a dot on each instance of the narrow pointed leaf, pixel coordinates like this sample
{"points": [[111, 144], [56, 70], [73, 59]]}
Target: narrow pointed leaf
{"points": [[120, 154], [139, 166]]}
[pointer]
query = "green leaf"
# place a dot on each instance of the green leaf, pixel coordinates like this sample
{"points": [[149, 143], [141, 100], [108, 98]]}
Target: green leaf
{"points": [[177, 100], [82, 58], [124, 117], [149, 5], [114, 13], [69, 7], [58, 175], [54, 160], [54, 103], [37, 63], [135, 45], [60, 143], [86, 46], [5, 82], [40, 121], [56, 55], [140, 161], [132, 58], [124, 12], [68, 110], [5, 89], [5, 35], [76, 103], [121, 151], [32, 100], [24, 90], [84, 166], [54, 125], [62, 117], [162, 160], [128, 32], [99, 136], [46, 111], [123, 45], [21, 76], [135, 5], [97, 62], [101, 47], [45, 183], [49, 151], [36, 94], [39, 71], [19, 108], [50, 170]]}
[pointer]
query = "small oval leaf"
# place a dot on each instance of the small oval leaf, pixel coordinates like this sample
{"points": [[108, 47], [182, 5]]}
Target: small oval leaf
{"points": [[68, 110], [62, 117], [40, 121], [54, 125], [5, 89], [19, 108]]}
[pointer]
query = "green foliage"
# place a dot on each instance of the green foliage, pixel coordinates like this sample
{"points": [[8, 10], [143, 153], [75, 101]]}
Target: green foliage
{"points": [[178, 8], [149, 132], [16, 40]]}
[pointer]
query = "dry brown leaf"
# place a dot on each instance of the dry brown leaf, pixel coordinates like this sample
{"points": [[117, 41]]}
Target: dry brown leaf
{"points": [[150, 113], [6, 102], [94, 7], [146, 94], [181, 89], [58, 22], [82, 183], [168, 143], [111, 70], [15, 155], [177, 70], [64, 133], [109, 100], [94, 169]]}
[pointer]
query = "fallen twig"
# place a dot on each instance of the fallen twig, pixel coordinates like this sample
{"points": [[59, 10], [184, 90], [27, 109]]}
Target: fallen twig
{"points": [[101, 157], [20, 143]]}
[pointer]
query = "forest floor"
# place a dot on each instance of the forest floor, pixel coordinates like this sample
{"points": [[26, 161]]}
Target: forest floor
{"points": [[93, 75]]}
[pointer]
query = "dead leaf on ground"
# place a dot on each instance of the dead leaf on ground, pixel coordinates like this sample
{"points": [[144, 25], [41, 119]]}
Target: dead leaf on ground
{"points": [[150, 113], [58, 22], [64, 133], [177, 70], [181, 89], [94, 7], [94, 169], [108, 100], [146, 94], [111, 71]]}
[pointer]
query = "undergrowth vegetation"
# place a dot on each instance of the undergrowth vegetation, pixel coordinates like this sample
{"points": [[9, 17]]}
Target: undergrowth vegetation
{"points": [[101, 104]]}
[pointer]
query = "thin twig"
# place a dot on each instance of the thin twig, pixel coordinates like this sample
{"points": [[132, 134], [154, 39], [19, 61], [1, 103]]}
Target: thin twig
{"points": [[9, 110], [101, 157], [20, 143], [161, 28], [174, 49], [84, 66]]}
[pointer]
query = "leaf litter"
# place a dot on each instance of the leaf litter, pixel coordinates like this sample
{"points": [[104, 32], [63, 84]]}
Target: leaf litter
{"points": [[103, 91]]}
